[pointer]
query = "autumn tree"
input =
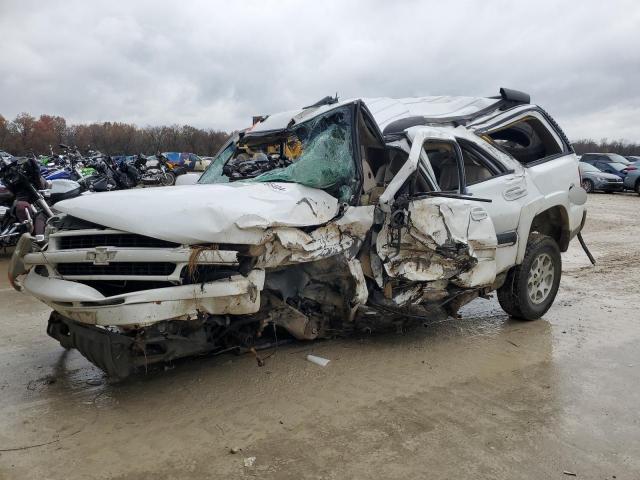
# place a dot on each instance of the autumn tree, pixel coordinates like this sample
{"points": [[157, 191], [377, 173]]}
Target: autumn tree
{"points": [[23, 126], [26, 133]]}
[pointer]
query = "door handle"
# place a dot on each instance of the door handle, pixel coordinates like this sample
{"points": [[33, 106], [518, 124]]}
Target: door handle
{"points": [[478, 214], [513, 193]]}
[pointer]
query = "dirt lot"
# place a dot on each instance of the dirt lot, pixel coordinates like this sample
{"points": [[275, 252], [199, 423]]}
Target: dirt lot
{"points": [[478, 397]]}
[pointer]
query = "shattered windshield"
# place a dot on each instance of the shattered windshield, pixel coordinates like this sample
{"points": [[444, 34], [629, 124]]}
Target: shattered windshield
{"points": [[317, 153]]}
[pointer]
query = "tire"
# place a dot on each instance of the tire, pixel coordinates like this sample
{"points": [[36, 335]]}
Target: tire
{"points": [[637, 187], [168, 179], [587, 185], [531, 287]]}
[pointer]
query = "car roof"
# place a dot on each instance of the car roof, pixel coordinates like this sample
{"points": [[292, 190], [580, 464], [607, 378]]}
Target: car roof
{"points": [[386, 110]]}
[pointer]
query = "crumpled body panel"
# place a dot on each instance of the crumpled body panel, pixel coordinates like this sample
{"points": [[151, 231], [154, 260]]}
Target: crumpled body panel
{"points": [[439, 239], [219, 213], [292, 245]]}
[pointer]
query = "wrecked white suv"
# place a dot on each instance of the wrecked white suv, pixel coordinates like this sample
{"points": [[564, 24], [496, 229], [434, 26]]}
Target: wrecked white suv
{"points": [[343, 216]]}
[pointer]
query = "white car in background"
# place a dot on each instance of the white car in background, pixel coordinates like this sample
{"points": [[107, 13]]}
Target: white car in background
{"points": [[352, 215]]}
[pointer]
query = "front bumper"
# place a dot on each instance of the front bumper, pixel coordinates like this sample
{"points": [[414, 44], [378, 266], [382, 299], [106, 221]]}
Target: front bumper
{"points": [[235, 295], [610, 186]]}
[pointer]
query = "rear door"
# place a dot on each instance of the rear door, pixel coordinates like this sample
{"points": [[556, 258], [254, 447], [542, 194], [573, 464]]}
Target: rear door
{"points": [[485, 176], [432, 232]]}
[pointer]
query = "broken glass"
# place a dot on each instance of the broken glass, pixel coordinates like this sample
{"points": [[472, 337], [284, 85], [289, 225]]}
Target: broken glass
{"points": [[317, 153]]}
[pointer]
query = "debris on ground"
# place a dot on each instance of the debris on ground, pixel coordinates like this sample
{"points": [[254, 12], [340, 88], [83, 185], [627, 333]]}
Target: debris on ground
{"points": [[571, 474], [234, 450], [323, 362], [249, 461]]}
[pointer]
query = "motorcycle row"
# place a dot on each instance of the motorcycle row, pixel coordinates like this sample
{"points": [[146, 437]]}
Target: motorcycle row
{"points": [[30, 186]]}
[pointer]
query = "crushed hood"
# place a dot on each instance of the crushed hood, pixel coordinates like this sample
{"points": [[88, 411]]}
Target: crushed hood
{"points": [[217, 213]]}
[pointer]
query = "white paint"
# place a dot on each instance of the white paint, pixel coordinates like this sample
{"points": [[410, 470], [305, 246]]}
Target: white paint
{"points": [[219, 213], [234, 295]]}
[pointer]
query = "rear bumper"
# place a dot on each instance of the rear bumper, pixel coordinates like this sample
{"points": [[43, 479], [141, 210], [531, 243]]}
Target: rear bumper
{"points": [[235, 295]]}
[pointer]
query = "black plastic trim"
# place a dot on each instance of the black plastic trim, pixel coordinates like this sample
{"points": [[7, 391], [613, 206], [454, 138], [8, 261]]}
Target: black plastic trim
{"points": [[507, 238], [515, 96], [450, 195]]}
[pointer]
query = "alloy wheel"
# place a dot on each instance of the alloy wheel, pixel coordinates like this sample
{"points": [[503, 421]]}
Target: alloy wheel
{"points": [[540, 281]]}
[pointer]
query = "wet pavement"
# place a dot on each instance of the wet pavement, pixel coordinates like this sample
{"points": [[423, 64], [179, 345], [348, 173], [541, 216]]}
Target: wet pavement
{"points": [[478, 397]]}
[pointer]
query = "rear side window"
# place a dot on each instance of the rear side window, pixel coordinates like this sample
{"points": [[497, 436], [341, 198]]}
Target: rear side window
{"points": [[443, 160], [478, 166], [527, 140]]}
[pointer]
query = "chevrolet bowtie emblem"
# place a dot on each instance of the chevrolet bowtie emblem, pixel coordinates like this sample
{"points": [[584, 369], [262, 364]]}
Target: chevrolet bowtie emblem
{"points": [[101, 256]]}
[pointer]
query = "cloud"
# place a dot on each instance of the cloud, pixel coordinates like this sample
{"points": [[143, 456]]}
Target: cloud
{"points": [[216, 64]]}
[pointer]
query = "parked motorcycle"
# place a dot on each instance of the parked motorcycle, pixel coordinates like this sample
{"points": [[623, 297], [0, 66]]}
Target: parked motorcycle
{"points": [[112, 176], [29, 210], [71, 166], [157, 170]]}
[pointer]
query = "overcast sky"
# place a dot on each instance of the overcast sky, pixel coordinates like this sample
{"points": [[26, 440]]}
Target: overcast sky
{"points": [[215, 65]]}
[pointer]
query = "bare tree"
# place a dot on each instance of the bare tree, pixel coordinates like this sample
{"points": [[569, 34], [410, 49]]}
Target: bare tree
{"points": [[26, 133]]}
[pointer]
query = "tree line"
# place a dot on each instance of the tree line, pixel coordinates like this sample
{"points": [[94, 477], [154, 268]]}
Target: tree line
{"points": [[26, 133], [621, 147]]}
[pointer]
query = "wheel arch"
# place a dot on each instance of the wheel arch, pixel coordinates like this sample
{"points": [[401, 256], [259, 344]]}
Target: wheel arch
{"points": [[552, 221]]}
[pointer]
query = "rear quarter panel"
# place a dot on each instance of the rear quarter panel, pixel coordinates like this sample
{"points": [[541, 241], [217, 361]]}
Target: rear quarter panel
{"points": [[553, 178]]}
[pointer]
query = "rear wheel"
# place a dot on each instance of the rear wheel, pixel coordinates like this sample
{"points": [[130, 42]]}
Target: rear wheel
{"points": [[637, 187], [587, 185], [531, 287]]}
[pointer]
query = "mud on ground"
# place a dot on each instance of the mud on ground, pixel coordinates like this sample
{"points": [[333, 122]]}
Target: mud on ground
{"points": [[478, 397]]}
